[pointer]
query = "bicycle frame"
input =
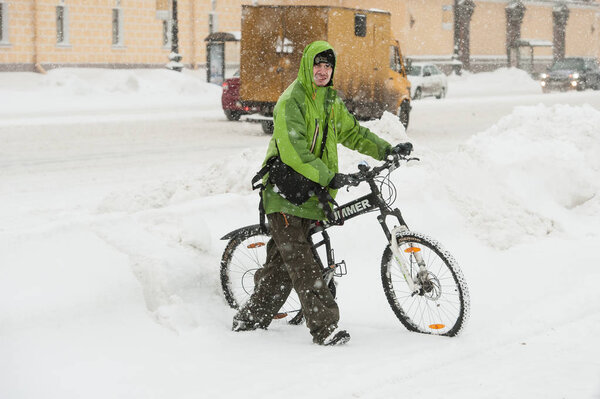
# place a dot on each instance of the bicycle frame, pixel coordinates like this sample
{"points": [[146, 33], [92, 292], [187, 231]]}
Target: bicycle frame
{"points": [[358, 207]]}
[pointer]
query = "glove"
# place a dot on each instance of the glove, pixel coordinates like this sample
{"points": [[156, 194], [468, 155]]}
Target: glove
{"points": [[340, 180], [403, 149]]}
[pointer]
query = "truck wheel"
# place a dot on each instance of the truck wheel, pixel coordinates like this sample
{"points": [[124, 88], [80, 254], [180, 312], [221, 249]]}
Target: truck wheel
{"points": [[442, 94], [232, 115], [267, 127], [404, 113]]}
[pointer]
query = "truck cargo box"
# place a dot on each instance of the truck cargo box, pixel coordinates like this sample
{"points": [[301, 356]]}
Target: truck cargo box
{"points": [[369, 73]]}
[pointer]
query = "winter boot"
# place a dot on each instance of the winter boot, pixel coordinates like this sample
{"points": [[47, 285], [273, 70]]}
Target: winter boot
{"points": [[337, 337], [244, 325]]}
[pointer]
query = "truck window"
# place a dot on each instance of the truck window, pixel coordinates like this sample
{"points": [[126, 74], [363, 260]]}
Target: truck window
{"points": [[395, 64], [360, 25]]}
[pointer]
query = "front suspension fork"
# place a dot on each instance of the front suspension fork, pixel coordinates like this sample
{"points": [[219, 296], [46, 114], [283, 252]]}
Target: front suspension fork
{"points": [[414, 285]]}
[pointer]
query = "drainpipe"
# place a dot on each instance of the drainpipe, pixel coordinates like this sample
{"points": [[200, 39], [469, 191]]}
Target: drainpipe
{"points": [[36, 37]]}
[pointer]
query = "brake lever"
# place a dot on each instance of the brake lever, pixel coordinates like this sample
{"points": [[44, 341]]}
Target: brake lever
{"points": [[358, 176]]}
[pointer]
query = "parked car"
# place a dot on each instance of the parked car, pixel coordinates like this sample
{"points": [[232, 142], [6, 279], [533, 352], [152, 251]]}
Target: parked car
{"points": [[230, 99], [426, 80], [573, 73]]}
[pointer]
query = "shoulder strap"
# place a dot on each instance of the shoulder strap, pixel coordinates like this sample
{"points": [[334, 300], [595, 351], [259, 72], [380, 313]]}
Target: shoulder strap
{"points": [[325, 129], [258, 184]]}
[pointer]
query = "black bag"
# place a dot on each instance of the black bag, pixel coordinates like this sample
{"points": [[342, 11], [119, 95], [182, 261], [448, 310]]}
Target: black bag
{"points": [[290, 184]]}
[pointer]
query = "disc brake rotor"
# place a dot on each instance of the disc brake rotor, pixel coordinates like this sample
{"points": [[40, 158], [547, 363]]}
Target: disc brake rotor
{"points": [[430, 286]]}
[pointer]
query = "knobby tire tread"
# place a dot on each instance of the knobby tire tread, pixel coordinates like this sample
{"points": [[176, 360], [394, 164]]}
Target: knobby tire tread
{"points": [[451, 264]]}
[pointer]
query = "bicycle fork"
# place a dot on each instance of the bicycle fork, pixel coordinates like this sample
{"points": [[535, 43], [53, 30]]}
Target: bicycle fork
{"points": [[414, 286]]}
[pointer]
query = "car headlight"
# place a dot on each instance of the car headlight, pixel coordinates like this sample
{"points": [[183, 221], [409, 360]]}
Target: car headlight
{"points": [[575, 75], [544, 75]]}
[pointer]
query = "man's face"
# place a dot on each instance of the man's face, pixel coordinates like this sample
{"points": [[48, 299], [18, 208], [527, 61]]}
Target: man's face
{"points": [[322, 73]]}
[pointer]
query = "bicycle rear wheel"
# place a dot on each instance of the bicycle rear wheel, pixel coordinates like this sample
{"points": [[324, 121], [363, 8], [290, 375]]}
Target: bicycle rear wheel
{"points": [[244, 255], [441, 306]]}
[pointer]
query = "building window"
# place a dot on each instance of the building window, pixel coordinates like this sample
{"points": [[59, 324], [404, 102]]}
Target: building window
{"points": [[117, 27], [3, 22], [166, 32], [62, 25], [447, 17], [360, 25]]}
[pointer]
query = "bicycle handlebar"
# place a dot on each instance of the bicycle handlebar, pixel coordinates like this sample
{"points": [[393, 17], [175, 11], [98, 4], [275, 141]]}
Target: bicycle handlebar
{"points": [[365, 172]]}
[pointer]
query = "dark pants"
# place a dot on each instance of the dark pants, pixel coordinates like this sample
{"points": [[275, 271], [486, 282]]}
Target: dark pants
{"points": [[291, 264]]}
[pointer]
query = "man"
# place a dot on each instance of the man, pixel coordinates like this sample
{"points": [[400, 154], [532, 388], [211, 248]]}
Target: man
{"points": [[309, 121]]}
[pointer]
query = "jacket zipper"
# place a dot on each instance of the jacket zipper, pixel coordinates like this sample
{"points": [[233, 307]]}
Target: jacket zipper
{"points": [[312, 147]]}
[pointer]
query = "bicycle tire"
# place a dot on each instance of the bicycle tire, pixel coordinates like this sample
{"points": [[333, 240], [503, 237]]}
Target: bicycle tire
{"points": [[244, 254], [444, 309]]}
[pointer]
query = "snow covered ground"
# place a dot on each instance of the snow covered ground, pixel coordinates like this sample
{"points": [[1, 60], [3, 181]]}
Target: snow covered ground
{"points": [[116, 187]]}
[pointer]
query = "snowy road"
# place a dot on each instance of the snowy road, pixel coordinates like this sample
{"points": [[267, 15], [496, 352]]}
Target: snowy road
{"points": [[109, 251]]}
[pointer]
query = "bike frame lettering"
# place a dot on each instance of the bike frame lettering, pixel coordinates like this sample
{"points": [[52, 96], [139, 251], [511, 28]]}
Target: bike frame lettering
{"points": [[355, 208]]}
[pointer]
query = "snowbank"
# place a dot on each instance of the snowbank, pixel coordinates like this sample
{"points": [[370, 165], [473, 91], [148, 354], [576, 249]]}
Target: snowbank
{"points": [[69, 91], [521, 178], [503, 81]]}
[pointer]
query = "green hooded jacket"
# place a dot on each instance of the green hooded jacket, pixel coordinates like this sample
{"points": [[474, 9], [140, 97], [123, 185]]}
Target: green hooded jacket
{"points": [[299, 117]]}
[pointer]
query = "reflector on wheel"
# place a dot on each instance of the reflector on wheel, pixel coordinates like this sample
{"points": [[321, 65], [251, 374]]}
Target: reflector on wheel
{"points": [[256, 245]]}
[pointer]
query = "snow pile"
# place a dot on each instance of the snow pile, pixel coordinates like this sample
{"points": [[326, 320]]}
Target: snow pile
{"points": [[388, 127], [169, 253], [503, 81], [85, 82], [230, 174], [522, 176], [97, 90]]}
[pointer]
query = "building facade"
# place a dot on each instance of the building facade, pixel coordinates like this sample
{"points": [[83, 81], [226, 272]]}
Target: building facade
{"points": [[480, 34]]}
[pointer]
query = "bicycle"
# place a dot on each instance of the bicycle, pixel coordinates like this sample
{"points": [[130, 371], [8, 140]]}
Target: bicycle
{"points": [[421, 280]]}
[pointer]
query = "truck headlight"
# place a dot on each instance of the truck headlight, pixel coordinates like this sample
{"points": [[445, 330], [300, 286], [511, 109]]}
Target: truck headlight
{"points": [[575, 75]]}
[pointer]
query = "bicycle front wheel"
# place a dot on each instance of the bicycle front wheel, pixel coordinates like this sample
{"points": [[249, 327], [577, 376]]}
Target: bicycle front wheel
{"points": [[244, 255], [441, 305]]}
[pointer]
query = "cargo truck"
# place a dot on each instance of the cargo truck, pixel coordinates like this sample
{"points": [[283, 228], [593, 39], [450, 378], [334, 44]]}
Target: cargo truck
{"points": [[370, 75]]}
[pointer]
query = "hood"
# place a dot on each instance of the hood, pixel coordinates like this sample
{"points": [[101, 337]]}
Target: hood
{"points": [[562, 73], [305, 72]]}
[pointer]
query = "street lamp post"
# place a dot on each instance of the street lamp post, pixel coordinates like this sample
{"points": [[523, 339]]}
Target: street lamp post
{"points": [[174, 57]]}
